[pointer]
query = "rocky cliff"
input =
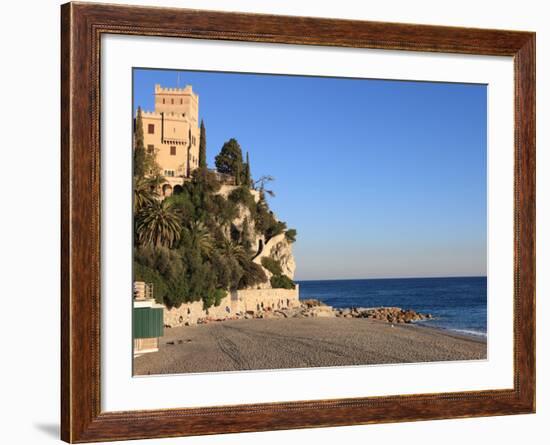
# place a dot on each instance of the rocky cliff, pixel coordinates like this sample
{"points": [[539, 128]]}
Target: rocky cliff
{"points": [[277, 248]]}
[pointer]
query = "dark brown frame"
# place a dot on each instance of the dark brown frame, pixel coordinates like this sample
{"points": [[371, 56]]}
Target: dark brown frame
{"points": [[81, 28]]}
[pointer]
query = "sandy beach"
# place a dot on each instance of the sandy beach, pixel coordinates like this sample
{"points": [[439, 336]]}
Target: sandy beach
{"points": [[237, 345]]}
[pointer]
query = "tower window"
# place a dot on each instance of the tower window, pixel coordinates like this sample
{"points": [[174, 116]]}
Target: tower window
{"points": [[151, 128], [173, 151], [163, 100], [181, 101], [150, 149], [172, 101]]}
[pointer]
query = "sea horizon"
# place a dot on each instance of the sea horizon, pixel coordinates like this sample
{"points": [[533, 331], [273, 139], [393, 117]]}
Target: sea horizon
{"points": [[391, 278]]}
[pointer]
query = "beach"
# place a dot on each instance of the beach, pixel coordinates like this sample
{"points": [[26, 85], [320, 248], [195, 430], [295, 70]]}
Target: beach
{"points": [[237, 345]]}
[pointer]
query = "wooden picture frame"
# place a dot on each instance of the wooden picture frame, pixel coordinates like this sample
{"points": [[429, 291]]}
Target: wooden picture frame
{"points": [[82, 26]]}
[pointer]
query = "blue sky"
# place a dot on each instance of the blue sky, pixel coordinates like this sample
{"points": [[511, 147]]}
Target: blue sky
{"points": [[380, 178]]}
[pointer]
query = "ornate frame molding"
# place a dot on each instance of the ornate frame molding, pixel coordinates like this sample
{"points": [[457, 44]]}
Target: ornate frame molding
{"points": [[82, 25]]}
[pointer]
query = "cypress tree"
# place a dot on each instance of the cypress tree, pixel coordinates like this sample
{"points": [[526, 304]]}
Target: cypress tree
{"points": [[238, 173], [139, 148], [247, 179], [202, 146]]}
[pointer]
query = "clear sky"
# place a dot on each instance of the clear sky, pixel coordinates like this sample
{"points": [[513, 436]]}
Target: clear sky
{"points": [[380, 178]]}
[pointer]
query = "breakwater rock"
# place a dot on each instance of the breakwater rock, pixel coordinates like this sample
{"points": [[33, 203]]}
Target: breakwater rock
{"points": [[315, 308], [387, 314]]}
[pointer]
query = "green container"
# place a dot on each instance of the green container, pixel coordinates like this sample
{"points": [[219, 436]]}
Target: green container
{"points": [[148, 322]]}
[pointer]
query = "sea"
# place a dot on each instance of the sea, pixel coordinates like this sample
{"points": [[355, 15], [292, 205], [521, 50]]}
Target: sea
{"points": [[457, 304]]}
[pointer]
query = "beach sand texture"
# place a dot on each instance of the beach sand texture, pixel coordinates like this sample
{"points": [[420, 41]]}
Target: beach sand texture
{"points": [[238, 345]]}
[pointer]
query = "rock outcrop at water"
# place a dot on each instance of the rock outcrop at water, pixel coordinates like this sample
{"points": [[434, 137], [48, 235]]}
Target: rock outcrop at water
{"points": [[314, 308], [387, 314]]}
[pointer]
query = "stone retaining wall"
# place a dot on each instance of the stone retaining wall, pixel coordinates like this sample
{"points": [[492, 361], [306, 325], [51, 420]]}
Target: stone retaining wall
{"points": [[236, 302], [254, 300]]}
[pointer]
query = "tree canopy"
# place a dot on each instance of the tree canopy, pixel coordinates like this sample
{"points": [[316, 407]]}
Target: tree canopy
{"points": [[247, 176], [202, 146], [139, 148], [230, 158]]}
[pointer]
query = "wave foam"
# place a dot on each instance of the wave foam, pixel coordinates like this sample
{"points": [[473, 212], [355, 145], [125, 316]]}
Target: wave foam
{"points": [[469, 332]]}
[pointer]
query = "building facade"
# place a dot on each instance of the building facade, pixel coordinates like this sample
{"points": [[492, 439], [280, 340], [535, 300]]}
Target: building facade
{"points": [[172, 133]]}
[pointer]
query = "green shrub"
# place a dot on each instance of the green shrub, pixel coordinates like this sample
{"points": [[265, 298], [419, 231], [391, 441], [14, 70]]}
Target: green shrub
{"points": [[272, 265], [245, 238], [265, 221], [290, 235], [148, 275], [253, 274], [220, 209], [182, 205], [263, 218], [275, 229], [219, 295], [213, 298], [228, 271], [282, 282], [243, 196]]}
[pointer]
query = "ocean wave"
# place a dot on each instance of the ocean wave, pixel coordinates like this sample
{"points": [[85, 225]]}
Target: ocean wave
{"points": [[468, 332]]}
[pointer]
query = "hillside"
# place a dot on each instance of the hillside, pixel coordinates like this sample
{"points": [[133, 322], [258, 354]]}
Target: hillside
{"points": [[216, 235]]}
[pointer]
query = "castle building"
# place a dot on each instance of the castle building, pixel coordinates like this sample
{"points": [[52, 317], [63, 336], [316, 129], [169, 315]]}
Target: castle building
{"points": [[172, 133]]}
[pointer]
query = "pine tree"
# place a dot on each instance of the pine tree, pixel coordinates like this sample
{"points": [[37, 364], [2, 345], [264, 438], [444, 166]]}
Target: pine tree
{"points": [[230, 159], [139, 148], [202, 146]]}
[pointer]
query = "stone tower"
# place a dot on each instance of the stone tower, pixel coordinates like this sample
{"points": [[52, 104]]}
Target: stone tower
{"points": [[172, 133]]}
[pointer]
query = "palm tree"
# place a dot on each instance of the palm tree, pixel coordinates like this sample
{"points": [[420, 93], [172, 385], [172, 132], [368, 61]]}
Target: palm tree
{"points": [[252, 273], [158, 225], [144, 194], [156, 179], [201, 238], [233, 251]]}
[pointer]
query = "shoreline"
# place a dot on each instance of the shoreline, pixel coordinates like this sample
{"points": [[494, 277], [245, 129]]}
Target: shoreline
{"points": [[290, 343], [480, 338]]}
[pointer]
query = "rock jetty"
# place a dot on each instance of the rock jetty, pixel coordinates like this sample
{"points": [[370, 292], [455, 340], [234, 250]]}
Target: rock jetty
{"points": [[315, 308], [387, 314]]}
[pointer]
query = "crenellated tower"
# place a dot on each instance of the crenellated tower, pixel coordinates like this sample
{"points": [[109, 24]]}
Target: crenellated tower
{"points": [[172, 133], [177, 100]]}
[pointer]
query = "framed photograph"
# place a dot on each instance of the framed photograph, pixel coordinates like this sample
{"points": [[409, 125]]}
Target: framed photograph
{"points": [[275, 222]]}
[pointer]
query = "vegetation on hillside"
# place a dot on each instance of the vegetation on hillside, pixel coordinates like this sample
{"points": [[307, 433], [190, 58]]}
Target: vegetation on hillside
{"points": [[188, 244], [282, 282], [278, 279]]}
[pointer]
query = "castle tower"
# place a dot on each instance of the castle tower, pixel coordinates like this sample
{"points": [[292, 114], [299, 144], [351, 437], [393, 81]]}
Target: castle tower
{"points": [[172, 133], [179, 101]]}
